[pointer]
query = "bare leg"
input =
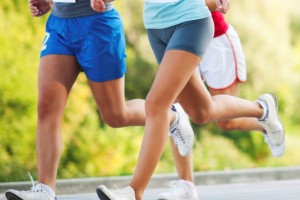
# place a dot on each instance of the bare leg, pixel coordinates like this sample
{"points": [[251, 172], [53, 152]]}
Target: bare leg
{"points": [[203, 108], [56, 77], [114, 109], [184, 164], [177, 76], [170, 80], [243, 124]]}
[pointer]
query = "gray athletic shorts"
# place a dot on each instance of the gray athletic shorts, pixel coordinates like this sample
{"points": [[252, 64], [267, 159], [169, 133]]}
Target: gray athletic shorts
{"points": [[192, 36]]}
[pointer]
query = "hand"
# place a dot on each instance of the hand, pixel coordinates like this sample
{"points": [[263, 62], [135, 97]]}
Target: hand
{"points": [[39, 7], [223, 6], [98, 5]]}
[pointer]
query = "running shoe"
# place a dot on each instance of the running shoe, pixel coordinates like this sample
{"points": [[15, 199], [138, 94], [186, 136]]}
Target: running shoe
{"points": [[180, 190], [272, 122], [183, 134], [37, 192]]}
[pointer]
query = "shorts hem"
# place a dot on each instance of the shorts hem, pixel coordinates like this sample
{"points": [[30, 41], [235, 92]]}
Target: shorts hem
{"points": [[226, 87], [62, 54], [200, 56], [104, 79]]}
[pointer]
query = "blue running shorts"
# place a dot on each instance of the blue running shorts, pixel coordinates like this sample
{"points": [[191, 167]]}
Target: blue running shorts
{"points": [[97, 42], [191, 36]]}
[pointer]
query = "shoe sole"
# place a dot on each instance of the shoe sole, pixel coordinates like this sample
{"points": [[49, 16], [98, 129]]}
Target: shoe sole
{"points": [[101, 194], [11, 196], [278, 118]]}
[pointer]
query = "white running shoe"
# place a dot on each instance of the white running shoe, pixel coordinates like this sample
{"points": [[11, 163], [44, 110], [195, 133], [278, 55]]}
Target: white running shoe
{"points": [[272, 122], [276, 151], [183, 134], [36, 193], [179, 191], [115, 194]]}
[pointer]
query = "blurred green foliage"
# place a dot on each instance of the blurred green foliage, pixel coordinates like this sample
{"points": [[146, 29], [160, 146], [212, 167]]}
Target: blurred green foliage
{"points": [[270, 33]]}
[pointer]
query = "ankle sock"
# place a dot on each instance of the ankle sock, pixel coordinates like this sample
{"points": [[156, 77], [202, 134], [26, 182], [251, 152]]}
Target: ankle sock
{"points": [[265, 109], [188, 183]]}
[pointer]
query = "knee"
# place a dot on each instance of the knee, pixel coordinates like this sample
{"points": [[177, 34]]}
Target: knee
{"points": [[154, 107], [114, 119], [47, 107], [201, 115], [150, 107]]}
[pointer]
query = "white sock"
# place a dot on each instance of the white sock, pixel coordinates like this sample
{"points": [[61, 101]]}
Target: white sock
{"points": [[47, 189], [189, 183], [265, 108]]}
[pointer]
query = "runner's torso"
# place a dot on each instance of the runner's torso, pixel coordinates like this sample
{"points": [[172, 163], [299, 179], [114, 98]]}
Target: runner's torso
{"points": [[78, 9], [160, 14]]}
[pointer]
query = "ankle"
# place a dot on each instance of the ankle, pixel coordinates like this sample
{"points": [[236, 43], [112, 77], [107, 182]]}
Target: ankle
{"points": [[138, 193], [138, 196], [188, 183], [264, 107]]}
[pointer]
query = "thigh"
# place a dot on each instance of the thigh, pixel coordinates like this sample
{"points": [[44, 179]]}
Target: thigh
{"points": [[56, 76], [109, 95], [173, 74], [184, 50], [158, 42], [58, 67], [195, 95], [55, 40], [193, 36]]}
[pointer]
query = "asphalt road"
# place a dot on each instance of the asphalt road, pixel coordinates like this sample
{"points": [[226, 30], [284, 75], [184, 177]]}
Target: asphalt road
{"points": [[281, 183], [271, 190]]}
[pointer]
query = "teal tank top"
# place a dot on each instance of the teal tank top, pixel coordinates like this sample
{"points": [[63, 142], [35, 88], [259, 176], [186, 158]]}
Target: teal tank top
{"points": [[159, 14]]}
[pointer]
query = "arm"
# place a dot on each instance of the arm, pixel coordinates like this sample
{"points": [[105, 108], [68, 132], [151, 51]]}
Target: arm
{"points": [[211, 4], [218, 5], [39, 7], [99, 5]]}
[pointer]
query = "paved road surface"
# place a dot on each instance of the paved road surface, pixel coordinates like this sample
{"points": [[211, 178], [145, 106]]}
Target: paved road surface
{"points": [[245, 184], [273, 190]]}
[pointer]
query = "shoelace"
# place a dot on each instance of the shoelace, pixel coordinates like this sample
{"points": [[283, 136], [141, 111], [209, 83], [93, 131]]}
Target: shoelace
{"points": [[178, 139], [34, 188]]}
